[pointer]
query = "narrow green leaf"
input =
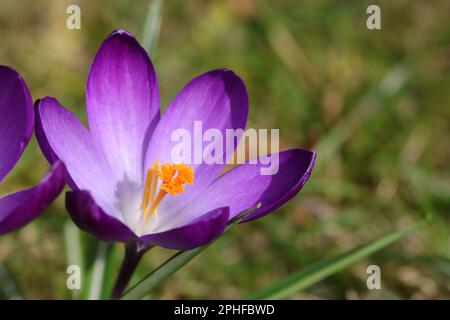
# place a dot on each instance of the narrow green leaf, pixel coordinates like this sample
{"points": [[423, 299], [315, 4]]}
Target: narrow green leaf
{"points": [[74, 252], [98, 271], [322, 269], [108, 278], [176, 262], [152, 26]]}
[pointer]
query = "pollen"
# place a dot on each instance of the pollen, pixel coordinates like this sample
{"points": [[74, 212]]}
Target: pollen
{"points": [[161, 180]]}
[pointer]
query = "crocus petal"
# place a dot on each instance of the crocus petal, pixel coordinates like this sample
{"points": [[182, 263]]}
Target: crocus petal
{"points": [[218, 99], [122, 102], [195, 234], [41, 138], [244, 186], [73, 144], [16, 118], [89, 217], [44, 145], [19, 208], [295, 169]]}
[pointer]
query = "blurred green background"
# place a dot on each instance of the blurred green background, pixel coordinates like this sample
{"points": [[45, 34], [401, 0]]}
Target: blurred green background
{"points": [[375, 105]]}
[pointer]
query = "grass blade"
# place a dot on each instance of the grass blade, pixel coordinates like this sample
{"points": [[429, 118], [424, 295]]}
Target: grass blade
{"points": [[74, 251], [152, 26], [322, 269], [176, 262], [98, 271], [108, 277]]}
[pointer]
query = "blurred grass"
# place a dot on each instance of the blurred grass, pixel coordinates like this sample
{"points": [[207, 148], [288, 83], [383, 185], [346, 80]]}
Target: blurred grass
{"points": [[374, 104]]}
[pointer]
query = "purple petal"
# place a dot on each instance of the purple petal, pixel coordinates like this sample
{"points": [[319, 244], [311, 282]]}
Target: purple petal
{"points": [[89, 217], [295, 170], [16, 118], [122, 102], [195, 234], [71, 142], [243, 187], [41, 138], [44, 145], [219, 100], [19, 208]]}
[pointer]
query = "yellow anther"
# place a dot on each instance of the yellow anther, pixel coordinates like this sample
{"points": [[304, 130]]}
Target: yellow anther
{"points": [[172, 177]]}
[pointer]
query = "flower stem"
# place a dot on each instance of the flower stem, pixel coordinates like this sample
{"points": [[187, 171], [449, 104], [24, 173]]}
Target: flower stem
{"points": [[133, 254]]}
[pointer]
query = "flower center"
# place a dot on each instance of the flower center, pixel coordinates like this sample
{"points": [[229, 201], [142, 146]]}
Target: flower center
{"points": [[172, 176]]}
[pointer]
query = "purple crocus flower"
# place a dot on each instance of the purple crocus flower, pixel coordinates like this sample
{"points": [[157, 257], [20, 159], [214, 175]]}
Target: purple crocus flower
{"points": [[16, 127], [125, 187]]}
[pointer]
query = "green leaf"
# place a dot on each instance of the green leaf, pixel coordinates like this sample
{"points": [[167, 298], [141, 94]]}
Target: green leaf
{"points": [[108, 277], [74, 252], [175, 263], [325, 268], [98, 271], [152, 26]]}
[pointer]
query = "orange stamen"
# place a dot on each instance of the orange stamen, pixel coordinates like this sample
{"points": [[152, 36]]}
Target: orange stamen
{"points": [[172, 176]]}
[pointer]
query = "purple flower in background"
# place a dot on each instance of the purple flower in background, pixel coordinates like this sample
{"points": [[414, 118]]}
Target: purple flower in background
{"points": [[16, 127], [125, 187]]}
